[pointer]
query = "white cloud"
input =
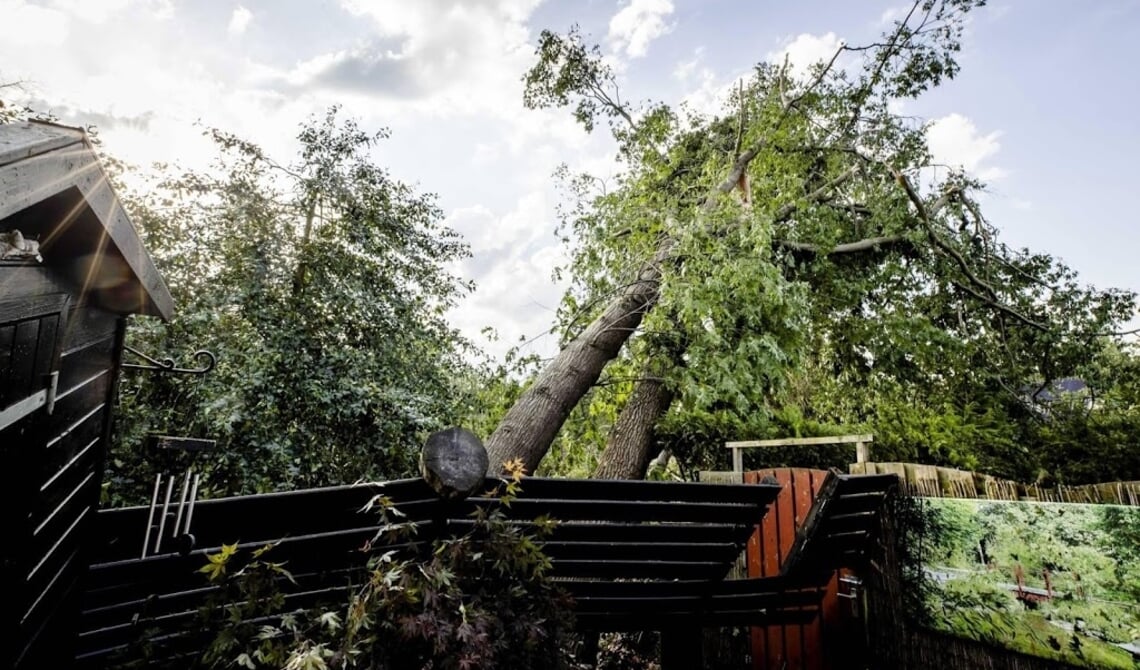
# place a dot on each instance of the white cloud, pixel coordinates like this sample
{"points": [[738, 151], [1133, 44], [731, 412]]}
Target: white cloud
{"points": [[514, 254], [712, 92], [239, 20], [27, 25], [685, 69], [95, 11], [517, 229], [435, 59], [955, 141], [458, 124], [892, 14], [602, 166], [805, 50], [173, 83], [100, 11], [637, 24], [485, 154], [162, 9], [710, 96]]}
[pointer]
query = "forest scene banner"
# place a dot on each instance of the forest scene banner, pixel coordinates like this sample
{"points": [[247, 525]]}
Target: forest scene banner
{"points": [[1056, 580]]}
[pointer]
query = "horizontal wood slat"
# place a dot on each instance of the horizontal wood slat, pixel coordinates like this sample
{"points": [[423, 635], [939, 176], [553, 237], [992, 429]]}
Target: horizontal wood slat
{"points": [[630, 505], [682, 538]]}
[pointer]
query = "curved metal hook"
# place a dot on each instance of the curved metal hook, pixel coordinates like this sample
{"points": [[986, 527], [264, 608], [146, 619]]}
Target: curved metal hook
{"points": [[206, 359]]}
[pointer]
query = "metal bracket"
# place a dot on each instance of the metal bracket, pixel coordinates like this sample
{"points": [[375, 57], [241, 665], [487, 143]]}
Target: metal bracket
{"points": [[853, 584], [53, 388], [189, 444], [206, 359]]}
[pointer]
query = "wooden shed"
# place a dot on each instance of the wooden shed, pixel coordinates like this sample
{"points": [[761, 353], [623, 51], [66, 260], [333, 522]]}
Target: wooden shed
{"points": [[72, 268]]}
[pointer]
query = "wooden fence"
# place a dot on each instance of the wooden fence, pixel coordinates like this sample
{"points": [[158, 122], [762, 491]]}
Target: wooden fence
{"points": [[939, 482], [819, 644], [873, 629]]}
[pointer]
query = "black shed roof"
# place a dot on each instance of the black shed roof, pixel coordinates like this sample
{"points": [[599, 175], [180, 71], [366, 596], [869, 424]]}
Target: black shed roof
{"points": [[53, 189]]}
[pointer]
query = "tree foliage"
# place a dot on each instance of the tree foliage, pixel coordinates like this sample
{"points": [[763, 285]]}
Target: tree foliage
{"points": [[321, 284], [1079, 557], [808, 262]]}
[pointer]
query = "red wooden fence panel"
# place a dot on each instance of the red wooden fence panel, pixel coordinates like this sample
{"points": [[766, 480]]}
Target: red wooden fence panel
{"points": [[791, 647]]}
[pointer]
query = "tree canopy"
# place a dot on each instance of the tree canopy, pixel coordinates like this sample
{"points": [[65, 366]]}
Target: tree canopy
{"points": [[321, 284], [801, 243], [797, 263]]}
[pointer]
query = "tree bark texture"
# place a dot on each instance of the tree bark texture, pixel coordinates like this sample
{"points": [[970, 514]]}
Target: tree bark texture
{"points": [[530, 426], [629, 447]]}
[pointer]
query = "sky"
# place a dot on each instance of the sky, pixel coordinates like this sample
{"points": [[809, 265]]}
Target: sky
{"points": [[1045, 107]]}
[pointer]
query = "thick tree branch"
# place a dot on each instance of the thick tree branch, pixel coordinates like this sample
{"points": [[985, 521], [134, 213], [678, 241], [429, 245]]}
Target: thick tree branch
{"points": [[817, 195], [984, 291], [610, 381], [634, 431], [1000, 306], [867, 244], [538, 415], [926, 219]]}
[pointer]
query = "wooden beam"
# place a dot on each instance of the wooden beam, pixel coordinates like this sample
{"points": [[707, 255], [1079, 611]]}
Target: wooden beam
{"points": [[720, 477], [861, 442], [19, 141], [801, 441]]}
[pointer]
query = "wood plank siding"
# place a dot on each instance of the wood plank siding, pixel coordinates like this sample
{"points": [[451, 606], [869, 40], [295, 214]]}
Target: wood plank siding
{"points": [[76, 268], [55, 460]]}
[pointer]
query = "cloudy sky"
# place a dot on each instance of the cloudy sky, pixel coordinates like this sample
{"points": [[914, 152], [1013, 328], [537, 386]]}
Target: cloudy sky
{"points": [[1045, 107]]}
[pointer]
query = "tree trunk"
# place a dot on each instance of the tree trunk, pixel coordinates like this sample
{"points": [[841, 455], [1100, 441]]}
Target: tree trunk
{"points": [[301, 273], [532, 423], [628, 450], [629, 446], [530, 426], [454, 463]]}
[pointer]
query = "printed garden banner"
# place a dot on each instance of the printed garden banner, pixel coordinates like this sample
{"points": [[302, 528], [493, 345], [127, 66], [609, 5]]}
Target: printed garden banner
{"points": [[1057, 580]]}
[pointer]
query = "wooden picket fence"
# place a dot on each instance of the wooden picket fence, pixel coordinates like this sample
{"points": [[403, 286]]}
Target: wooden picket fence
{"points": [[938, 482]]}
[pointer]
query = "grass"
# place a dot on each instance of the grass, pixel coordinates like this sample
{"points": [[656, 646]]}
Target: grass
{"points": [[1030, 633]]}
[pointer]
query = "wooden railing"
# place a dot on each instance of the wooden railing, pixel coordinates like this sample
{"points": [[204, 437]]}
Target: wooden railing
{"points": [[862, 446]]}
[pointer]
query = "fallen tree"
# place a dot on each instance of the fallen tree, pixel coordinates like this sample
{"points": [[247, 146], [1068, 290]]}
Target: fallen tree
{"points": [[729, 242]]}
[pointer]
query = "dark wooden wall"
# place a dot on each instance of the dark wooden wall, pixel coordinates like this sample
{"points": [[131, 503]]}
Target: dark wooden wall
{"points": [[54, 461]]}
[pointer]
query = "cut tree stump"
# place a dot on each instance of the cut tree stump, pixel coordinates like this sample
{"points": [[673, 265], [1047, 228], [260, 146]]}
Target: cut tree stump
{"points": [[454, 463]]}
